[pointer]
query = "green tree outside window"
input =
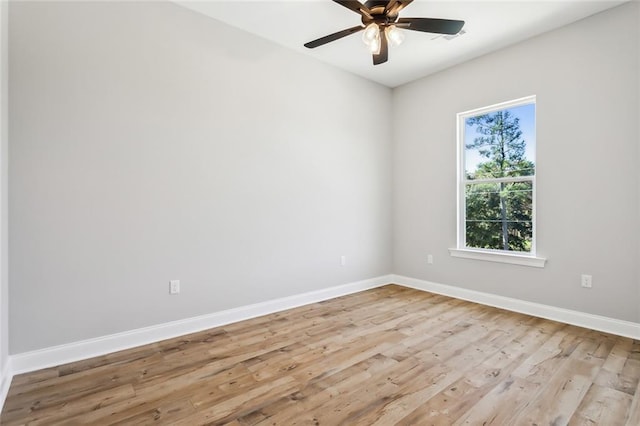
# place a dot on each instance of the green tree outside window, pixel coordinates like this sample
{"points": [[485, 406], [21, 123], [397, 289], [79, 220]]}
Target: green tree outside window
{"points": [[498, 180]]}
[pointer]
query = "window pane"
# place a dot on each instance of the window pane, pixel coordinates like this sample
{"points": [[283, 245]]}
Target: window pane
{"points": [[500, 143], [499, 215]]}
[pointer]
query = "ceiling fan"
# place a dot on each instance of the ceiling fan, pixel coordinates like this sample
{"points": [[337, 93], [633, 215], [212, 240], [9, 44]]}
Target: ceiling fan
{"points": [[382, 25]]}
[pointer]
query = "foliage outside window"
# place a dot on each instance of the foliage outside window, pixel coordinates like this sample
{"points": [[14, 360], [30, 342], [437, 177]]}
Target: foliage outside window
{"points": [[497, 178]]}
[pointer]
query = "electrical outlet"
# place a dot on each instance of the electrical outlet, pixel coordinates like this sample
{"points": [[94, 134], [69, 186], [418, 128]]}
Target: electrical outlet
{"points": [[430, 259], [174, 286], [343, 260], [585, 281]]}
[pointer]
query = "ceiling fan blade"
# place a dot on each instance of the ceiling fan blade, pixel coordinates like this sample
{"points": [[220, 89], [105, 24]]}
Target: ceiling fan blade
{"points": [[383, 56], [332, 37], [356, 6], [395, 6], [390, 5], [431, 25]]}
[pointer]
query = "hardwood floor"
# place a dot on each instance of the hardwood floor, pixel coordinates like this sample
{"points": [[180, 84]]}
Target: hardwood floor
{"points": [[387, 356]]}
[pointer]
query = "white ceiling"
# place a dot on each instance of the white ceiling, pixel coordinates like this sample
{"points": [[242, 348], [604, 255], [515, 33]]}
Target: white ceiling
{"points": [[490, 25]]}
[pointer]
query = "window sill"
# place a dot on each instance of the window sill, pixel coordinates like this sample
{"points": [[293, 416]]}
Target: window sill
{"points": [[513, 259]]}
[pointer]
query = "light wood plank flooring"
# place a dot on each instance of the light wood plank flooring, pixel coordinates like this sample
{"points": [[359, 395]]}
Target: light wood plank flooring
{"points": [[381, 357]]}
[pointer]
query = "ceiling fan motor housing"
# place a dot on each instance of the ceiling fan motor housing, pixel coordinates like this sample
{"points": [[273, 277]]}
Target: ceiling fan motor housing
{"points": [[378, 15], [375, 4]]}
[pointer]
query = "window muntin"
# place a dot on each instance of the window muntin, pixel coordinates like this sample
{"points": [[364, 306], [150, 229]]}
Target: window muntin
{"points": [[497, 178]]}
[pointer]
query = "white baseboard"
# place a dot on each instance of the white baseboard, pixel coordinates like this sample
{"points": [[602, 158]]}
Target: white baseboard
{"points": [[62, 354], [5, 381], [581, 319]]}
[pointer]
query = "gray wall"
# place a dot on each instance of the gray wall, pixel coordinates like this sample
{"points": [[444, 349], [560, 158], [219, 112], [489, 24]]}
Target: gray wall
{"points": [[4, 189], [585, 76], [149, 143]]}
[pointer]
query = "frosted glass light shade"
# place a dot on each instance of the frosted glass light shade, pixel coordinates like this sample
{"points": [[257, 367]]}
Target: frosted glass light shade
{"points": [[370, 33], [394, 35], [374, 46]]}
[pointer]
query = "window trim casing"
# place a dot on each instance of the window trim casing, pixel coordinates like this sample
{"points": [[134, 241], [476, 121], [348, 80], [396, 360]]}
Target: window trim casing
{"points": [[493, 255]]}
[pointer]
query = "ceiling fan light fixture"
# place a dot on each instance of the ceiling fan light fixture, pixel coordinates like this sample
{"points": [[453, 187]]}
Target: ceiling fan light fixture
{"points": [[394, 35], [370, 34], [374, 45]]}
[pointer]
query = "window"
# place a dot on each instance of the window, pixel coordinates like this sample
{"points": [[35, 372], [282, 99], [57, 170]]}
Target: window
{"points": [[496, 183]]}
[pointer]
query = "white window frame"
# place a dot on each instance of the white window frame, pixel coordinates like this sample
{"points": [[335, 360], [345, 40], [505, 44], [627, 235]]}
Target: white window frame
{"points": [[492, 255]]}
